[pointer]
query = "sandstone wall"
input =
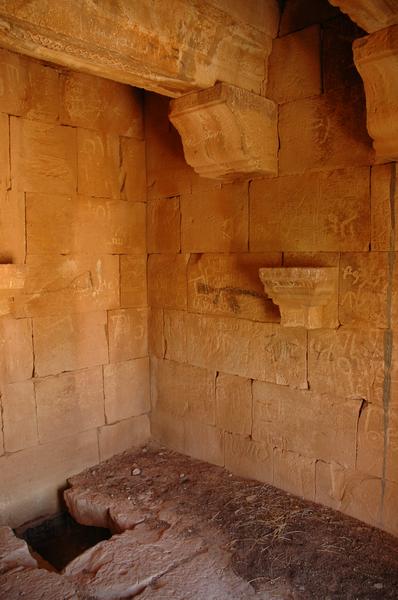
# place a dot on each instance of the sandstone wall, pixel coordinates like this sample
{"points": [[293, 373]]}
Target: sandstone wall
{"points": [[74, 360], [315, 413]]}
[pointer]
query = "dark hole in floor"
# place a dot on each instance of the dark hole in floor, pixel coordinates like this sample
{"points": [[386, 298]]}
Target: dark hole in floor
{"points": [[60, 539]]}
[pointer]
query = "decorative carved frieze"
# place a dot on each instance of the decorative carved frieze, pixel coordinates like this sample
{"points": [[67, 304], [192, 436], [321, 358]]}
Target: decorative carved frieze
{"points": [[227, 132], [12, 280], [376, 58], [307, 297], [371, 15]]}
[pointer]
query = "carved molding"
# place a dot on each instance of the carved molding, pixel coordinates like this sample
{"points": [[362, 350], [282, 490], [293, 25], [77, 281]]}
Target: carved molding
{"points": [[227, 132], [307, 297], [12, 280], [371, 15], [376, 58]]}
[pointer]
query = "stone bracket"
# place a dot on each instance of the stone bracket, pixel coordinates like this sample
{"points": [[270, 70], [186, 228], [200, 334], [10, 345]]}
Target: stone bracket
{"points": [[227, 132], [307, 296], [12, 280]]}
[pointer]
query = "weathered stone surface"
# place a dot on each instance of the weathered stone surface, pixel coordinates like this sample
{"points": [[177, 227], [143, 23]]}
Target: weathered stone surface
{"points": [[262, 16], [43, 157], [125, 434], [12, 225], [229, 285], [175, 335], [84, 225], [19, 416], [151, 49], [5, 174], [35, 475], [390, 517], [133, 281], [156, 345], [164, 223], [204, 442], [70, 342], [16, 356], [315, 212], [167, 430], [227, 132], [294, 473], [133, 170], [298, 14], [167, 280], [216, 221], [306, 296], [334, 135], [126, 387], [37, 584], [101, 104], [78, 283], [338, 69], [311, 259], [179, 390], [370, 444], [14, 552], [383, 202], [385, 424], [128, 334], [371, 15], [297, 57], [98, 159], [248, 458], [69, 403], [375, 58], [347, 363], [234, 404], [352, 492], [281, 415], [363, 289]]}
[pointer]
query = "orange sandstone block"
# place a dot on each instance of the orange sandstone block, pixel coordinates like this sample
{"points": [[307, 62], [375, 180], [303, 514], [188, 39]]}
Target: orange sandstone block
{"points": [[247, 458], [371, 441], [16, 350], [5, 175], [215, 220], [133, 281], [294, 473], [204, 442], [12, 226], [98, 162], [19, 416], [383, 201], [125, 434], [164, 220], [167, 430], [126, 386], [128, 334], [70, 342], [69, 403], [298, 14], [156, 344], [167, 280], [43, 157], [133, 170], [175, 335], [390, 515], [234, 404]]}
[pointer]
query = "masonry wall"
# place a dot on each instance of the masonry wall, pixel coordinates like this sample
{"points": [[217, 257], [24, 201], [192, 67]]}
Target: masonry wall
{"points": [[314, 413], [74, 360]]}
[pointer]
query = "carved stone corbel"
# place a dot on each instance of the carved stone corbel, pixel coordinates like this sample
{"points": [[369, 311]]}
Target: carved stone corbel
{"points": [[227, 132]]}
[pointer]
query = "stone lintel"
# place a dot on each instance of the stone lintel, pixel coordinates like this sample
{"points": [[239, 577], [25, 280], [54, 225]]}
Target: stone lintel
{"points": [[227, 132]]}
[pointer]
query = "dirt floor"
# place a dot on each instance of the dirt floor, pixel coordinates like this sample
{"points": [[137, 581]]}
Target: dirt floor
{"points": [[290, 548]]}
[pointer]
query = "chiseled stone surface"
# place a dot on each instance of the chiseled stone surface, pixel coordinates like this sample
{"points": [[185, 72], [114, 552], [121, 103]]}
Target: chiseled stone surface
{"points": [[167, 280], [124, 434], [128, 334], [14, 552], [294, 473], [126, 388], [234, 404], [383, 202], [19, 416]]}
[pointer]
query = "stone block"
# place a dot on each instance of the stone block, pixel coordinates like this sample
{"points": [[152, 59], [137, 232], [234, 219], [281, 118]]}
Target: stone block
{"points": [[84, 225], [175, 335], [167, 280], [262, 16], [156, 345], [216, 221], [347, 363], [294, 69], [229, 285], [35, 476], [16, 350], [181, 390], [351, 492], [338, 69], [334, 134], [383, 202], [12, 226], [70, 342], [69, 403], [102, 104], [167, 430], [234, 404], [13, 82], [204, 442], [294, 473], [133, 170], [298, 14], [281, 415], [123, 435], [98, 162], [19, 416], [57, 285], [390, 516], [370, 444], [385, 426], [128, 334], [126, 386], [311, 259], [164, 224], [247, 458], [316, 212], [43, 157], [133, 281], [363, 289], [5, 175]]}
